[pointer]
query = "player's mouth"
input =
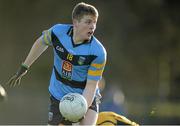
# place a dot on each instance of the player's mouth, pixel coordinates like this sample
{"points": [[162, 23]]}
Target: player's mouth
{"points": [[90, 33]]}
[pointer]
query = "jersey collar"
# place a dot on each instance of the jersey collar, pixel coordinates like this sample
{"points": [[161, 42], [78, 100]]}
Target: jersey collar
{"points": [[70, 33]]}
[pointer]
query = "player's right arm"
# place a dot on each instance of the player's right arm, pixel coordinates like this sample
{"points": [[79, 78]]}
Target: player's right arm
{"points": [[37, 49], [40, 45]]}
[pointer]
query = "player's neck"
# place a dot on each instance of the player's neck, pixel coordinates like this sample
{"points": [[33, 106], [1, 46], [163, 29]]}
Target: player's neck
{"points": [[77, 39]]}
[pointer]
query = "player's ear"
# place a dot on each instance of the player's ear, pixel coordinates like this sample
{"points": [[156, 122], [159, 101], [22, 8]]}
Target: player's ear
{"points": [[75, 22]]}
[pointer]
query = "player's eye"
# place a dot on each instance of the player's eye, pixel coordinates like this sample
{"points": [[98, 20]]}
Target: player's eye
{"points": [[88, 22]]}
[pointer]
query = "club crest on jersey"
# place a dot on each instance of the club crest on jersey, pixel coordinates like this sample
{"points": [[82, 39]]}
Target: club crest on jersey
{"points": [[81, 60], [67, 70]]}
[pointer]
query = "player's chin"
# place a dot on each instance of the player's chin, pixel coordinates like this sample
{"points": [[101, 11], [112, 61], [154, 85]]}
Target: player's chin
{"points": [[3, 94], [88, 38]]}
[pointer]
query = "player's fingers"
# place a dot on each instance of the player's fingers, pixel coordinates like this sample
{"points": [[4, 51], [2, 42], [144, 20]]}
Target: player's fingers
{"points": [[12, 82], [15, 82], [9, 81], [18, 81]]}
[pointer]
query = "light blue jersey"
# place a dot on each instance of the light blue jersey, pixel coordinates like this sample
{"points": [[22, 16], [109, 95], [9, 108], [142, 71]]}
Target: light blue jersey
{"points": [[74, 64]]}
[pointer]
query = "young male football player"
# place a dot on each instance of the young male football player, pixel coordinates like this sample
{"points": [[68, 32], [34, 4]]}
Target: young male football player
{"points": [[79, 61]]}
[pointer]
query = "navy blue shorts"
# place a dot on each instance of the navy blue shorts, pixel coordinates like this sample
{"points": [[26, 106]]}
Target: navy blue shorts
{"points": [[54, 115]]}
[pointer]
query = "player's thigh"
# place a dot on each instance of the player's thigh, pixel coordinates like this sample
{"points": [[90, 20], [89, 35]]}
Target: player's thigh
{"points": [[90, 118]]}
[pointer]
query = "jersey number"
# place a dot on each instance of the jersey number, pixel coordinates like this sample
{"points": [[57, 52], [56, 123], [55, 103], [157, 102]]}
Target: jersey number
{"points": [[70, 57]]}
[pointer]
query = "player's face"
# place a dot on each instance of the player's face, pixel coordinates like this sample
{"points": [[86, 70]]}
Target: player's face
{"points": [[85, 27]]}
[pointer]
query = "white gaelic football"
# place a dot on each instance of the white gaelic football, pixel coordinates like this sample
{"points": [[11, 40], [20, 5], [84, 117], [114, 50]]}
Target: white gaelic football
{"points": [[3, 94], [73, 106]]}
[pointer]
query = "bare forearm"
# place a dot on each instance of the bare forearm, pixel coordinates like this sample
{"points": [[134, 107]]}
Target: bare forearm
{"points": [[37, 49], [89, 91]]}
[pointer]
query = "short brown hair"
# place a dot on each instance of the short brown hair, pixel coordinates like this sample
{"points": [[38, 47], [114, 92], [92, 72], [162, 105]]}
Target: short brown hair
{"points": [[82, 9]]}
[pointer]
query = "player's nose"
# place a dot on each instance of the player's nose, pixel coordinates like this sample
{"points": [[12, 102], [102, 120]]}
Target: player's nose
{"points": [[93, 26]]}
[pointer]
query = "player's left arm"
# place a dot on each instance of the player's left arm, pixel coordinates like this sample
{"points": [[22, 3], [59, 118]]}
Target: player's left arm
{"points": [[94, 75], [39, 46]]}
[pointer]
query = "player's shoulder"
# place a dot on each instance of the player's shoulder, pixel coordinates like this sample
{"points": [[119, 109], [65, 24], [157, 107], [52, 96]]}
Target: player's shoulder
{"points": [[98, 47], [61, 28]]}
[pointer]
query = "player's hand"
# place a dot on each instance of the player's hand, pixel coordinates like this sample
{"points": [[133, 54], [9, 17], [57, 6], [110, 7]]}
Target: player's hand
{"points": [[16, 78]]}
